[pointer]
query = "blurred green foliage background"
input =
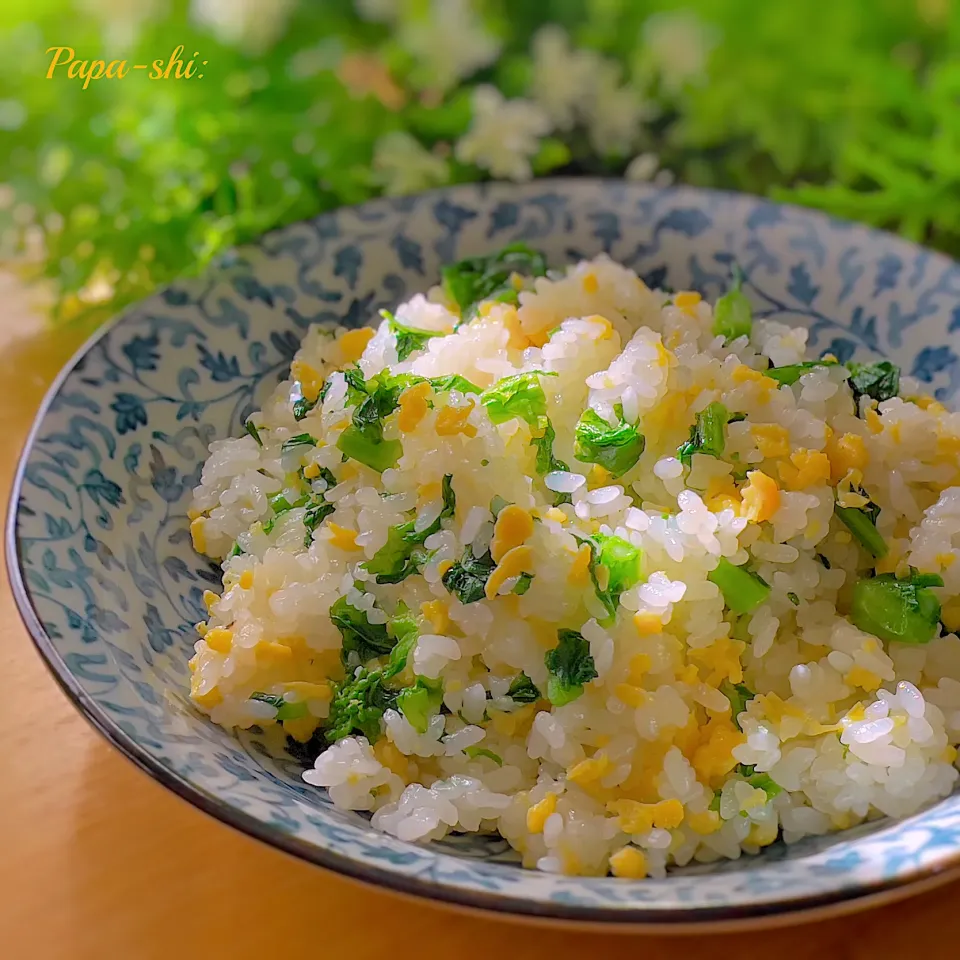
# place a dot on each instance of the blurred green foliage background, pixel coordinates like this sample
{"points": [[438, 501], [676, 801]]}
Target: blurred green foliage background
{"points": [[304, 105]]}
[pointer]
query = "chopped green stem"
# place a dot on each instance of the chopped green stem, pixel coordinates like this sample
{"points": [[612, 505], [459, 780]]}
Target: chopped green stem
{"points": [[790, 374], [743, 591], [280, 504], [707, 435], [766, 783], [863, 527], [739, 696], [251, 428], [373, 452], [420, 702], [474, 752], [898, 611], [733, 315]]}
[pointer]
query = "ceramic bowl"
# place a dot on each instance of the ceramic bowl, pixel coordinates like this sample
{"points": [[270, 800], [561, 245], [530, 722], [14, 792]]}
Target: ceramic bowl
{"points": [[105, 577]]}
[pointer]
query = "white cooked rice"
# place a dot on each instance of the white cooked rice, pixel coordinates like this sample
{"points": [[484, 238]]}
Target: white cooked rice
{"points": [[642, 769]]}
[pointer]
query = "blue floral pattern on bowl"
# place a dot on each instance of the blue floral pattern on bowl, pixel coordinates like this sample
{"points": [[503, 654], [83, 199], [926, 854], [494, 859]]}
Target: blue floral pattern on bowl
{"points": [[99, 548]]}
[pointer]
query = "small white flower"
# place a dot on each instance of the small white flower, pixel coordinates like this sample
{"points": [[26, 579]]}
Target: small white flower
{"points": [[449, 43], [642, 167], [677, 43], [251, 24], [378, 11], [504, 134], [616, 112], [562, 77], [402, 165]]}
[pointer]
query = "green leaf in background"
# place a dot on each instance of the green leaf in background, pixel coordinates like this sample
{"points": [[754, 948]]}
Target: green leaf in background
{"points": [[305, 106]]}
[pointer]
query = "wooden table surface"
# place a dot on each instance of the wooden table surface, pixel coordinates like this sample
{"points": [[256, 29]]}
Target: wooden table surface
{"points": [[98, 861]]}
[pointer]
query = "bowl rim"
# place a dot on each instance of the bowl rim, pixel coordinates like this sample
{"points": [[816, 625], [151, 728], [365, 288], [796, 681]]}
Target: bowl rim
{"points": [[846, 898]]}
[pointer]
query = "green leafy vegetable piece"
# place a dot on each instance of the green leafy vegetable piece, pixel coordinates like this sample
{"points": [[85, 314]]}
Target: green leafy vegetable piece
{"points": [[303, 406], [316, 513], [707, 435], [400, 557], [523, 584], [356, 385], [328, 477], [898, 611], [420, 702], [285, 709], [616, 449], [879, 381], [403, 553], [862, 523], [403, 628], [409, 339], [382, 399], [523, 690], [454, 381], [615, 566], [790, 374], [520, 395], [372, 451], [570, 666], [358, 706], [793, 598], [468, 577], [235, 552], [622, 561], [469, 281], [448, 497], [363, 440], [474, 752], [280, 504], [739, 696], [733, 315], [292, 711], [497, 503], [273, 699], [743, 591], [546, 461], [300, 440], [251, 428], [360, 637]]}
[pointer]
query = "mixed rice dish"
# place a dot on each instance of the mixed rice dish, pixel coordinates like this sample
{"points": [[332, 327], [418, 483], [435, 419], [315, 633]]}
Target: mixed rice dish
{"points": [[618, 575]]}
